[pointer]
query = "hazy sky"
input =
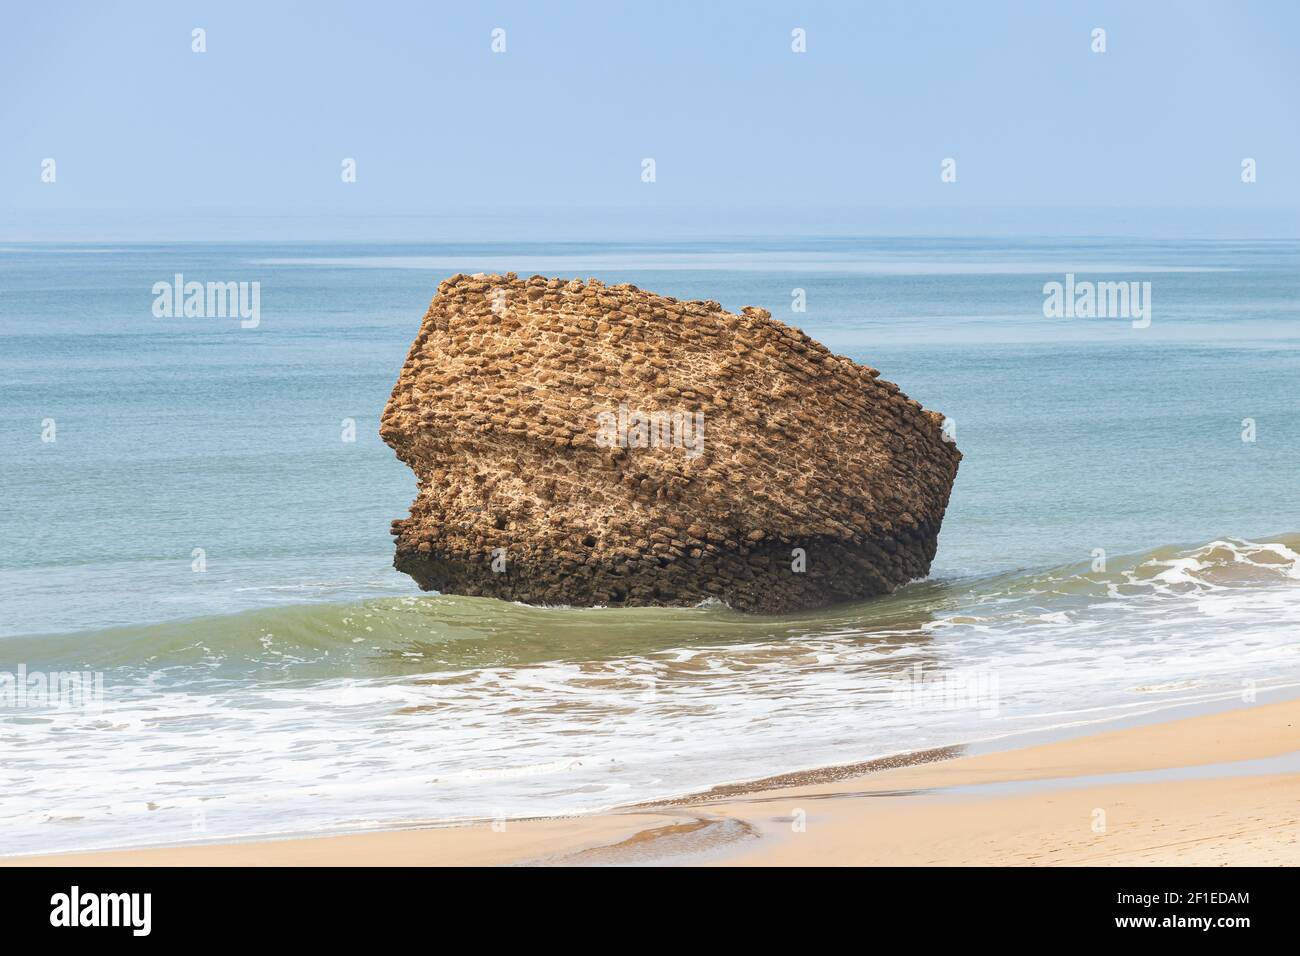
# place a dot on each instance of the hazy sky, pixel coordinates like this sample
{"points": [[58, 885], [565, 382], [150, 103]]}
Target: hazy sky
{"points": [[584, 92]]}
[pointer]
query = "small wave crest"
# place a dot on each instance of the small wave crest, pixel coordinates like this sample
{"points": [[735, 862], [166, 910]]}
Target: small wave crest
{"points": [[431, 633], [439, 707]]}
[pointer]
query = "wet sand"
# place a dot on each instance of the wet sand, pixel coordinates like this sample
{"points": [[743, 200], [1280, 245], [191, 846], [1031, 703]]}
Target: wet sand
{"points": [[1215, 789]]}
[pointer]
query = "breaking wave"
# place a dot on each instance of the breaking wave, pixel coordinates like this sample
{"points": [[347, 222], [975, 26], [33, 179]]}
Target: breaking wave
{"points": [[423, 709], [427, 632]]}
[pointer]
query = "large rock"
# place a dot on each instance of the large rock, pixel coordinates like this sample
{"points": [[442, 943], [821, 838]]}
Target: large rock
{"points": [[584, 444]]}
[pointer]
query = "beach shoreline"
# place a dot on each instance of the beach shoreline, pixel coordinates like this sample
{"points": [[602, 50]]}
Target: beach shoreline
{"points": [[1219, 788]]}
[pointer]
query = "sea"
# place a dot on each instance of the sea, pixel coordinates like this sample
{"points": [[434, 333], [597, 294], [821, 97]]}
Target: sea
{"points": [[202, 637]]}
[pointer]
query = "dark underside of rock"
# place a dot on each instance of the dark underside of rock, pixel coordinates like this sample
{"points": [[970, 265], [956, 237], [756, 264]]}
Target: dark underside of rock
{"points": [[584, 444]]}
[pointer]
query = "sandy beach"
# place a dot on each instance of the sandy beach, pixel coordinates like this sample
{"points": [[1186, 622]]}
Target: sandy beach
{"points": [[1214, 789]]}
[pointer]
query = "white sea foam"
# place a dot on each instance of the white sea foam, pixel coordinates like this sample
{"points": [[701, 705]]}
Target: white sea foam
{"points": [[736, 698]]}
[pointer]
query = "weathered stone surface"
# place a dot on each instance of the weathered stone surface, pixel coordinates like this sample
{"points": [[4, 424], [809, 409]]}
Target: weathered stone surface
{"points": [[510, 398]]}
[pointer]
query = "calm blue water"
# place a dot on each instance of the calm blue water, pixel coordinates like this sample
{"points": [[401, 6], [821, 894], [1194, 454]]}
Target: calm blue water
{"points": [[298, 682]]}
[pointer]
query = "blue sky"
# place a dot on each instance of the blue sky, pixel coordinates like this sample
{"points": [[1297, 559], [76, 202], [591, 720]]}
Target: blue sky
{"points": [[140, 126]]}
